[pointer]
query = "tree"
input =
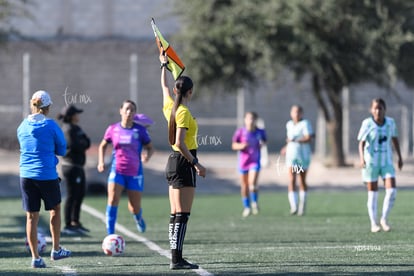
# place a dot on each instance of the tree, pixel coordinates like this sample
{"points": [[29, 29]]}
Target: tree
{"points": [[218, 49], [339, 43], [9, 10]]}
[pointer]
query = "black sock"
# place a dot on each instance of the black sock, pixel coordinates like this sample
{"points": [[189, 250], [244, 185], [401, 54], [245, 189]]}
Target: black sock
{"points": [[171, 227], [177, 241]]}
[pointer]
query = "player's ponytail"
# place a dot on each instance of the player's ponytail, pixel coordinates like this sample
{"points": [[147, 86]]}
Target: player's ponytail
{"points": [[172, 126], [182, 85]]}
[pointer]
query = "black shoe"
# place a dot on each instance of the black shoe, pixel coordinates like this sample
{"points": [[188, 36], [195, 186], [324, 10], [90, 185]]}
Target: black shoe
{"points": [[70, 230], [183, 264], [82, 229]]}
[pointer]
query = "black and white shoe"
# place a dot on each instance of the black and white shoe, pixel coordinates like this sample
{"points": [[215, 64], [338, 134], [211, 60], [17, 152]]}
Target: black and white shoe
{"points": [[183, 264]]}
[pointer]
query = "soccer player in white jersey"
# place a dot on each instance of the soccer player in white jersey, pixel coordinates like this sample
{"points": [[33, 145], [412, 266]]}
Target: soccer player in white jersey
{"points": [[299, 134], [376, 137]]}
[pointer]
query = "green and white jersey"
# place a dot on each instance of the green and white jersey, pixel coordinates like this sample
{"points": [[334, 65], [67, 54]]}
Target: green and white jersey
{"points": [[378, 146]]}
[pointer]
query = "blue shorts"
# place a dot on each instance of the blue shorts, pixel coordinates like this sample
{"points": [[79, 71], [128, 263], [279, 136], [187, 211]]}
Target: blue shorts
{"points": [[34, 191], [133, 183], [255, 167]]}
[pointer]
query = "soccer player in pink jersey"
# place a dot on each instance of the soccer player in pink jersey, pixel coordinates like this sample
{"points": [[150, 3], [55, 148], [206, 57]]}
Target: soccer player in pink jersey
{"points": [[127, 138], [248, 140]]}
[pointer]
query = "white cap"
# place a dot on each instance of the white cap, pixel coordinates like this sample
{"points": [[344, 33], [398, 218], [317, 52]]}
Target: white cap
{"points": [[44, 97]]}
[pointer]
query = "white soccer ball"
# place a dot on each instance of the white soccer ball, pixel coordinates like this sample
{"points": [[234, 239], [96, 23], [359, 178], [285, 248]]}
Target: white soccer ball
{"points": [[41, 243], [113, 245]]}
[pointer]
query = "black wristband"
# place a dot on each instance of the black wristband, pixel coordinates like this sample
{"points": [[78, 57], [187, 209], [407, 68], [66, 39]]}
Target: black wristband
{"points": [[163, 65], [195, 161]]}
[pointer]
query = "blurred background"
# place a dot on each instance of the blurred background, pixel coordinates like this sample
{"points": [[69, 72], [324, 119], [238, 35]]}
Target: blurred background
{"points": [[331, 57]]}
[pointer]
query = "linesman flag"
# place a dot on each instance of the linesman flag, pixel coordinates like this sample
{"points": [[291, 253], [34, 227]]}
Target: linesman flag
{"points": [[175, 65]]}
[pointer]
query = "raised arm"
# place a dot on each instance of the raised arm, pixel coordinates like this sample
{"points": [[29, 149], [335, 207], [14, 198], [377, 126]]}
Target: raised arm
{"points": [[164, 84]]}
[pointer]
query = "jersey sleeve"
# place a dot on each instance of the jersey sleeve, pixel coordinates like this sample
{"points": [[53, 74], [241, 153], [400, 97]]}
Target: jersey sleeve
{"points": [[108, 134], [237, 136], [145, 137], [363, 131], [394, 130], [263, 135], [308, 128], [288, 127]]}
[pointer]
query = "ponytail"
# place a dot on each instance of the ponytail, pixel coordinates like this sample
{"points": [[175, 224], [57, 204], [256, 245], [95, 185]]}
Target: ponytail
{"points": [[172, 126], [35, 106], [182, 86]]}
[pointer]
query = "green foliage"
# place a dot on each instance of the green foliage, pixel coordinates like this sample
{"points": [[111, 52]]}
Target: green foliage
{"points": [[343, 42], [218, 43], [338, 43], [10, 10]]}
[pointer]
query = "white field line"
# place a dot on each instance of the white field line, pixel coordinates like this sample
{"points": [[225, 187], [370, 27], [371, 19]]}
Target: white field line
{"points": [[151, 245], [66, 270]]}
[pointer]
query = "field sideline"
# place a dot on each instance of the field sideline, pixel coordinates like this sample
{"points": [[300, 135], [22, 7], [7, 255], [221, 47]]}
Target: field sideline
{"points": [[333, 238]]}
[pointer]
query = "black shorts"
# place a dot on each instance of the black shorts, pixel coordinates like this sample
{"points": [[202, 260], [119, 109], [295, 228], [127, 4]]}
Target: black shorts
{"points": [[179, 172], [33, 191]]}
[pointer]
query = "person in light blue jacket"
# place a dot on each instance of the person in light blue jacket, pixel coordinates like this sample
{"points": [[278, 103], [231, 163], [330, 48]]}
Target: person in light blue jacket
{"points": [[41, 139]]}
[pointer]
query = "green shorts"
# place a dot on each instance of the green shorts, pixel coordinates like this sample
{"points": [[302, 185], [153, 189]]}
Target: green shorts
{"points": [[371, 173]]}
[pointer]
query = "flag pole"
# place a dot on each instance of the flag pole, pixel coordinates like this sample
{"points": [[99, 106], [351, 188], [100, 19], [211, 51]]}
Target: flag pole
{"points": [[156, 36]]}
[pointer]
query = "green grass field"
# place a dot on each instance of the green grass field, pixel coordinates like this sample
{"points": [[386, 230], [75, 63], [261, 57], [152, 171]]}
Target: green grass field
{"points": [[333, 238]]}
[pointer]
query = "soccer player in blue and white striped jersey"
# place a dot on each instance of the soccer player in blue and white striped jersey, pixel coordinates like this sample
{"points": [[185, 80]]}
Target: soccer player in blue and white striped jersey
{"points": [[376, 137]]}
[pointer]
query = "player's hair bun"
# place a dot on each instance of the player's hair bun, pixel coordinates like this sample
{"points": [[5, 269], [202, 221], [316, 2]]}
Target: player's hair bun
{"points": [[37, 102]]}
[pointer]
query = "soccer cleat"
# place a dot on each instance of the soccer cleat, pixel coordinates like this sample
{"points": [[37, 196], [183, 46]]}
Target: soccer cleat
{"points": [[293, 212], [183, 264], [385, 226], [38, 263], [141, 226], [255, 209], [375, 228], [60, 254], [246, 212]]}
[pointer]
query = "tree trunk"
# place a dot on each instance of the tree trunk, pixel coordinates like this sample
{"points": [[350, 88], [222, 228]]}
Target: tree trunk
{"points": [[333, 121], [335, 141]]}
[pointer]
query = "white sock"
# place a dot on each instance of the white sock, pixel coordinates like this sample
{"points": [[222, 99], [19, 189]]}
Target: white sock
{"points": [[302, 202], [388, 203], [293, 200], [372, 206]]}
